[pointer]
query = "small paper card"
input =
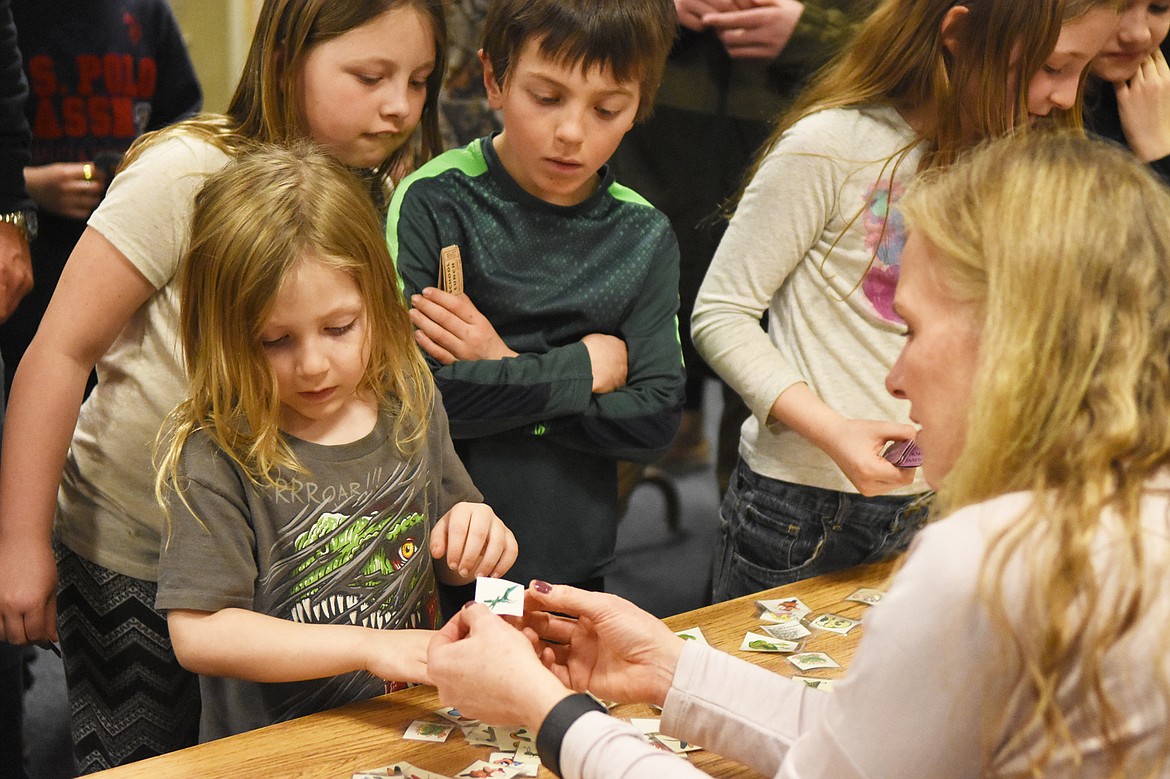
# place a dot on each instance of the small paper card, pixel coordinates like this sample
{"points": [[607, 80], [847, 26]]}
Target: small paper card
{"points": [[788, 631], [481, 735], [485, 768], [399, 769], [814, 682], [808, 661], [421, 730], [500, 595], [514, 760], [784, 606], [453, 714], [755, 642], [451, 270], [866, 595], [834, 623], [648, 726], [692, 634]]}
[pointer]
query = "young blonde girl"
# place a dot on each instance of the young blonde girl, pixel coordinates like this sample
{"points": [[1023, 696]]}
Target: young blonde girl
{"points": [[359, 77], [1127, 98], [815, 243], [309, 475]]}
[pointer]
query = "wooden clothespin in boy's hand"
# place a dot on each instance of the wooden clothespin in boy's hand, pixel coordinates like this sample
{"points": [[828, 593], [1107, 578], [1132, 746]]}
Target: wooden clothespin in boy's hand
{"points": [[451, 270]]}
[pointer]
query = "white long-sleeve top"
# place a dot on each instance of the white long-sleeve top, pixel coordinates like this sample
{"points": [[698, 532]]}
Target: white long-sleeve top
{"points": [[924, 692], [810, 245]]}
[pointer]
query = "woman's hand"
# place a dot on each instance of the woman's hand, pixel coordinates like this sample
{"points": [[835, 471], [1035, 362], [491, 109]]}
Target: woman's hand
{"points": [[472, 541], [611, 648], [1144, 105], [488, 670]]}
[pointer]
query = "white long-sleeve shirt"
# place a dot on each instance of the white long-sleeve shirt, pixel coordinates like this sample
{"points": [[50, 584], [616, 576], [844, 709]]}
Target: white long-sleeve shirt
{"points": [[916, 703], [810, 245]]}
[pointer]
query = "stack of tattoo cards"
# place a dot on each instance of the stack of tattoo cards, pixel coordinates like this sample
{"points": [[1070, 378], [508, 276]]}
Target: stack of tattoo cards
{"points": [[513, 749]]}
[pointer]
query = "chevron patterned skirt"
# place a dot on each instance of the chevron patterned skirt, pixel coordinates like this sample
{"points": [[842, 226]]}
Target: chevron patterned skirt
{"points": [[129, 698]]}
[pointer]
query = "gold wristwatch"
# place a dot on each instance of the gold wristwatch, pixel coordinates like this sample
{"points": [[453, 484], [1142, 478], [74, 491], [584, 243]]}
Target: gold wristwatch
{"points": [[25, 220]]}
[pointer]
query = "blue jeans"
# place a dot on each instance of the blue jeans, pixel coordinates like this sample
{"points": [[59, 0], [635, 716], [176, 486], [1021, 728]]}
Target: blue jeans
{"points": [[774, 532]]}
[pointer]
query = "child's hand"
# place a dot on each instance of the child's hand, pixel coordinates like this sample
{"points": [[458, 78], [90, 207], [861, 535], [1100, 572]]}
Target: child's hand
{"points": [[1144, 106], [399, 655], [473, 542], [856, 447], [450, 328], [609, 360]]}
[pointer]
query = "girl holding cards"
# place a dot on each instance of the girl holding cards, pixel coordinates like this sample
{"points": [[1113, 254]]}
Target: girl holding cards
{"points": [[311, 485], [1027, 632], [815, 243]]}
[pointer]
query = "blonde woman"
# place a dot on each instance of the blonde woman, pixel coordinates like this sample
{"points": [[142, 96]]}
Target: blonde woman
{"points": [[815, 245], [1026, 634]]}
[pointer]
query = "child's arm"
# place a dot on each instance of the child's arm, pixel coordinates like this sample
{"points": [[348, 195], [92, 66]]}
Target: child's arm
{"points": [[98, 293], [244, 644], [785, 211], [469, 541], [855, 445], [450, 329]]}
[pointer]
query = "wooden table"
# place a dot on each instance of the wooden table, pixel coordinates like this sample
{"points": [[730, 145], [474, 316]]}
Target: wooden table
{"points": [[335, 744]]}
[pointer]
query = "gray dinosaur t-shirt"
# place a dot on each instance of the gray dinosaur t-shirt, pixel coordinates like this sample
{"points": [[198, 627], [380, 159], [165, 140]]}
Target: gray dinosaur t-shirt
{"points": [[346, 542]]}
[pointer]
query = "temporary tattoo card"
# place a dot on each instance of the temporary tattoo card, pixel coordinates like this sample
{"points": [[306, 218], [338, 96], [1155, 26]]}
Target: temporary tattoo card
{"points": [[500, 595], [784, 607], [481, 736], [513, 738], [808, 661], [513, 760], [692, 634], [834, 623], [814, 682], [421, 730], [453, 714], [755, 642], [866, 595], [484, 768], [787, 631], [399, 769]]}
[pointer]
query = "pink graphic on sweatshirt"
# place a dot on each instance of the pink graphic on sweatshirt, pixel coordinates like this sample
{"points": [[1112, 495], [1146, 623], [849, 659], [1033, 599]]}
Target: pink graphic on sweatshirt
{"points": [[885, 237]]}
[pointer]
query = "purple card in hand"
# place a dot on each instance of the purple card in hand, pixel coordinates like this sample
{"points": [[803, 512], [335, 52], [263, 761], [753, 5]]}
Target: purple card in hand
{"points": [[904, 454]]}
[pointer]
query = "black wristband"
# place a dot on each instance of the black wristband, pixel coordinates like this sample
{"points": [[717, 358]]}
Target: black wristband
{"points": [[556, 725]]}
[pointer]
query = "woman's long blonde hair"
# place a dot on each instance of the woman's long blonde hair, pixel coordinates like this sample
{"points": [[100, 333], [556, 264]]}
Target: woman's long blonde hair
{"points": [[1062, 246], [266, 107], [254, 221]]}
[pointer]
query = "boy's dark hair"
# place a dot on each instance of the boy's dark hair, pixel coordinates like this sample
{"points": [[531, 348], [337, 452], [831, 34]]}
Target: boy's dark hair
{"points": [[628, 38]]}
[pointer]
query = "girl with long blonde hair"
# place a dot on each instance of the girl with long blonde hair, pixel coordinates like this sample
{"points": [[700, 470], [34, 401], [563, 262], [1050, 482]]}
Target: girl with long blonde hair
{"points": [[313, 492], [815, 244], [77, 505]]}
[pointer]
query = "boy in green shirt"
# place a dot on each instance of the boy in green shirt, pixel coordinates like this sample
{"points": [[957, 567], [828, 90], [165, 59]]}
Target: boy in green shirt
{"points": [[561, 354]]}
